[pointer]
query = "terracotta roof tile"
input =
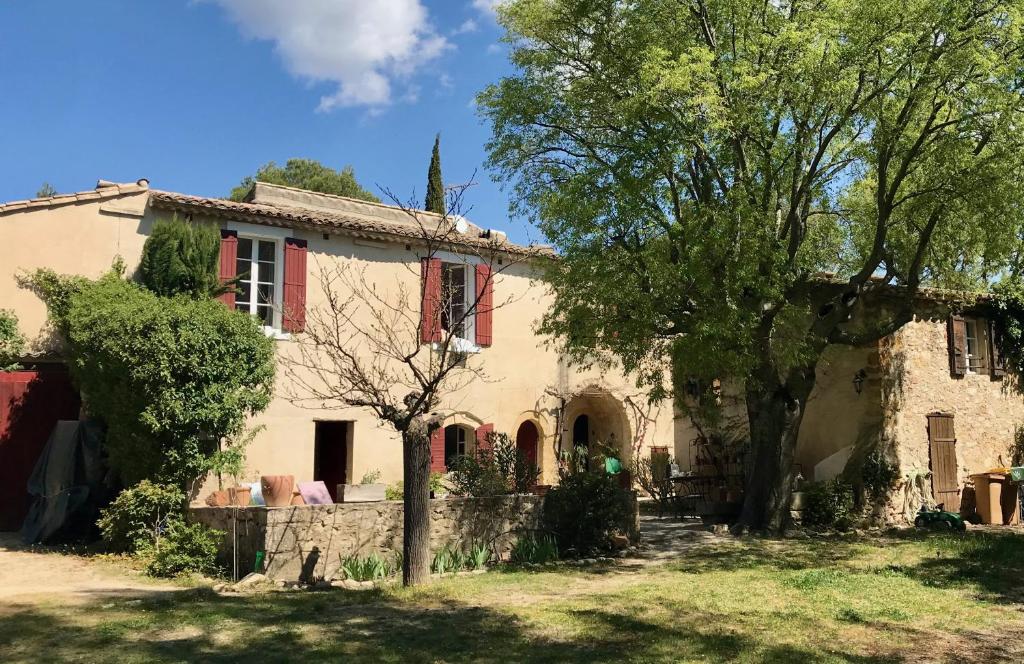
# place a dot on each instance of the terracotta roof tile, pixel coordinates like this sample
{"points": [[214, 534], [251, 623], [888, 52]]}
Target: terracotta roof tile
{"points": [[280, 215], [101, 192]]}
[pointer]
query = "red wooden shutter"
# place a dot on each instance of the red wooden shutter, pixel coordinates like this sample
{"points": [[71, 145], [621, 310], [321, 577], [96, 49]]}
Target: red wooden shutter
{"points": [[228, 258], [484, 305], [430, 307], [482, 433], [957, 333], [995, 357], [437, 464], [294, 304]]}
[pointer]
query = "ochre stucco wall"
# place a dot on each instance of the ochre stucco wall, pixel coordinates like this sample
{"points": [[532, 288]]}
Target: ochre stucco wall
{"points": [[524, 377]]}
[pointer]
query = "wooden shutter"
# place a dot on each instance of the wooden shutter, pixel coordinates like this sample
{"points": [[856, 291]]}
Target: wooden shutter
{"points": [[957, 338], [437, 464], [484, 305], [942, 452], [228, 258], [482, 433], [294, 300], [995, 357], [430, 307]]}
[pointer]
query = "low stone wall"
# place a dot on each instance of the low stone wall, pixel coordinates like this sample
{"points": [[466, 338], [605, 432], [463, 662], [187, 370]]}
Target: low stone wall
{"points": [[308, 542]]}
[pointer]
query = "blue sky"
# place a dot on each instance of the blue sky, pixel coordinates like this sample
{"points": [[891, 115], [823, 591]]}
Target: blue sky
{"points": [[196, 94]]}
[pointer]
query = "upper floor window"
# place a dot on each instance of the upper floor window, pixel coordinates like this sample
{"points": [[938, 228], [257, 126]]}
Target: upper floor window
{"points": [[456, 302], [976, 336], [258, 269], [973, 347]]}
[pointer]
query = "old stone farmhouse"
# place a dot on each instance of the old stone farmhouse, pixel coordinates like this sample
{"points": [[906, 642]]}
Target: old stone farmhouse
{"points": [[892, 393]]}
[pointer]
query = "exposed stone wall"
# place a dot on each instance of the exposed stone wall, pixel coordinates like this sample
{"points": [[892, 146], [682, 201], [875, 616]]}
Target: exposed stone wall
{"points": [[986, 412], [310, 541]]}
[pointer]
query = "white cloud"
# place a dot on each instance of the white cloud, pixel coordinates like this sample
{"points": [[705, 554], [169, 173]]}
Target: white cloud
{"points": [[363, 47], [494, 49], [469, 25], [487, 6]]}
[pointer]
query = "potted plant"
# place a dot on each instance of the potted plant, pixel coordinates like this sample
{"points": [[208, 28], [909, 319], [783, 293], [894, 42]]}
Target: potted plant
{"points": [[369, 489]]}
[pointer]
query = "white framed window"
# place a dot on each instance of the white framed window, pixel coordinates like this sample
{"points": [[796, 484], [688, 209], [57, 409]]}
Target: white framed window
{"points": [[260, 275], [455, 442], [458, 293], [977, 345]]}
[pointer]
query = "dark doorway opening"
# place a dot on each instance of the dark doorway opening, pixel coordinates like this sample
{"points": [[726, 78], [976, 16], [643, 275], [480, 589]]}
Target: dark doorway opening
{"points": [[332, 454], [581, 435]]}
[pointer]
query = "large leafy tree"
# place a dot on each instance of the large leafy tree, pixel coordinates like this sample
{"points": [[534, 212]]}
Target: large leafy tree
{"points": [[698, 163], [306, 174]]}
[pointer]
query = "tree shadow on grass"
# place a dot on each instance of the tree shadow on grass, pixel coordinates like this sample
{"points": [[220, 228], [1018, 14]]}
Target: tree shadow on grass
{"points": [[199, 625]]}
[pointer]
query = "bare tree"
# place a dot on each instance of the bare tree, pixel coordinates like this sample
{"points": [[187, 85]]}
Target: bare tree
{"points": [[399, 350]]}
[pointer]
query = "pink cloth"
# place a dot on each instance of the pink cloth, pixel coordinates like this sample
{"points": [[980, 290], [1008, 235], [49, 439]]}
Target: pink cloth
{"points": [[315, 493]]}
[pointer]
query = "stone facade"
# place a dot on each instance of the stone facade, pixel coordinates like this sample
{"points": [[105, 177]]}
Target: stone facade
{"points": [[309, 542], [986, 410]]}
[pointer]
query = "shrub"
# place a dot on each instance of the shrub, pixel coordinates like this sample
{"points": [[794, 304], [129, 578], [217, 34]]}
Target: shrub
{"points": [[478, 557], [828, 504], [369, 568], [183, 548], [498, 469], [370, 477], [652, 474], [170, 377], [396, 491], [139, 514], [878, 474], [182, 258], [12, 342], [448, 559], [583, 511], [534, 549]]}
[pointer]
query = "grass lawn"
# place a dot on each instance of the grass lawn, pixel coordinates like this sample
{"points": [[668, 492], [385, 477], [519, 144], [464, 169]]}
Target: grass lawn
{"points": [[869, 599]]}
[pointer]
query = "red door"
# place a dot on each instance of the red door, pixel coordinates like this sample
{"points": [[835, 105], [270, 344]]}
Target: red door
{"points": [[526, 441], [31, 402]]}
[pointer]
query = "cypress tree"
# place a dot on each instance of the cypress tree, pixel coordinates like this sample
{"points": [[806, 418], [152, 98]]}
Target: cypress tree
{"points": [[182, 258], [435, 185]]}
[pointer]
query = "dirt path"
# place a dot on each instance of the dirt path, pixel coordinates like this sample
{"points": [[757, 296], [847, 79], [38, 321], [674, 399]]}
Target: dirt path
{"points": [[27, 576]]}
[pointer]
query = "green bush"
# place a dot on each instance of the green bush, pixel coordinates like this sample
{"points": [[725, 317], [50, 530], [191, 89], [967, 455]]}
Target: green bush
{"points": [[449, 559], [396, 491], [12, 342], [183, 548], [534, 549], [369, 568], [170, 377], [878, 474], [182, 258], [498, 469], [583, 511], [828, 504], [138, 515]]}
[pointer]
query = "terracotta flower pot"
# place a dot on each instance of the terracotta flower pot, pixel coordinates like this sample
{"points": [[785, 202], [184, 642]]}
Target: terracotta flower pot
{"points": [[277, 489], [240, 495], [218, 499]]}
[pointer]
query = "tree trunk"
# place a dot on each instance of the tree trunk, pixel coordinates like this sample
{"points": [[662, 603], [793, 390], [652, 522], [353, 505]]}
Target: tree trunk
{"points": [[774, 415], [416, 523]]}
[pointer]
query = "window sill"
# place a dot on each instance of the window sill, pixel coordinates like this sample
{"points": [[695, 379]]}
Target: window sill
{"points": [[460, 345], [276, 334]]}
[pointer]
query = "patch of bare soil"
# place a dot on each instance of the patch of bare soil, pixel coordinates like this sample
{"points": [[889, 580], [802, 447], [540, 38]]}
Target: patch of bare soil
{"points": [[31, 574]]}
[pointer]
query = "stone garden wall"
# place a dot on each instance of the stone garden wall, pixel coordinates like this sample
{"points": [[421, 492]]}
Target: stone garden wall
{"points": [[309, 542]]}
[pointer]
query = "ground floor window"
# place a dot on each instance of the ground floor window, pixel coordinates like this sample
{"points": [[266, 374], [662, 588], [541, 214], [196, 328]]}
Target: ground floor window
{"points": [[455, 445]]}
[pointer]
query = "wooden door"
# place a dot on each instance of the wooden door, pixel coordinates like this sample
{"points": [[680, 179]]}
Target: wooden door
{"points": [[526, 441], [942, 453], [31, 402]]}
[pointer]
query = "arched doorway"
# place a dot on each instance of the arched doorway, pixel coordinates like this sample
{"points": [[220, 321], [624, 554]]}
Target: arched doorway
{"points": [[526, 441], [596, 420]]}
